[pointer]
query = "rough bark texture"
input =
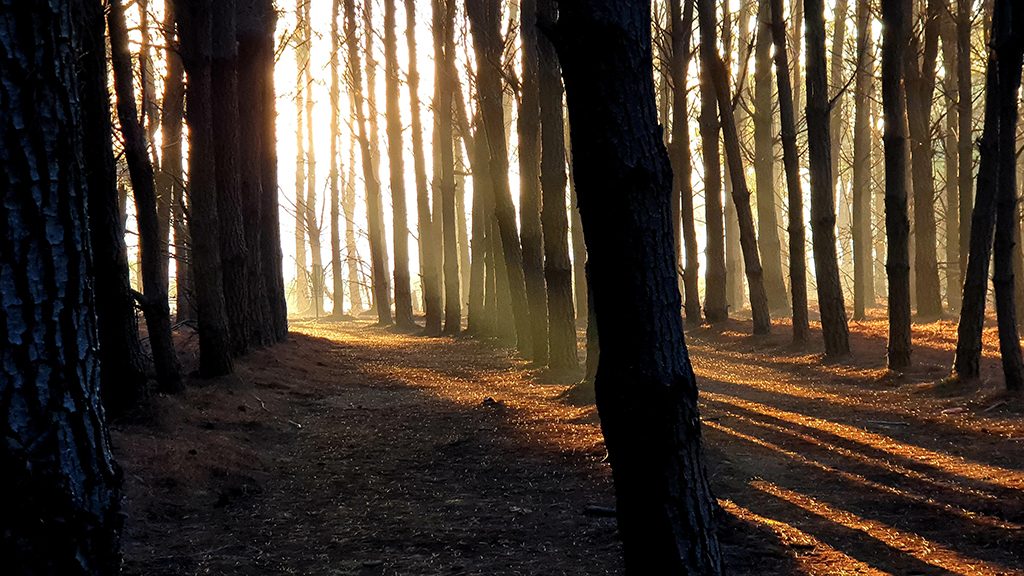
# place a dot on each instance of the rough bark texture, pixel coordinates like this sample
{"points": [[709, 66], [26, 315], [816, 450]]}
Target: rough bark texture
{"points": [[429, 254], [791, 163], [863, 289], [484, 19], [195, 28], [823, 212], [62, 488], [646, 391], [153, 248], [716, 306], [396, 167], [561, 334], [679, 149], [896, 34], [124, 366], [529, 182]]}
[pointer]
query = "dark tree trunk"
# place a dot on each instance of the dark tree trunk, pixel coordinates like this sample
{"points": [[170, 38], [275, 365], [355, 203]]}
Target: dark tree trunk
{"points": [[863, 290], [741, 200], [554, 218], [764, 164], [1008, 44], [645, 387], [920, 85], [484, 19], [428, 244], [896, 35], [682, 169], [444, 152], [965, 115], [791, 163], [195, 24], [529, 182], [396, 167], [823, 212], [478, 321], [947, 32], [124, 366], [579, 255], [62, 488], [716, 307], [153, 248], [374, 205]]}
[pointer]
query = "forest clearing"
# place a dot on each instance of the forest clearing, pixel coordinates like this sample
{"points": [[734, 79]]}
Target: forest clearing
{"points": [[445, 456]]}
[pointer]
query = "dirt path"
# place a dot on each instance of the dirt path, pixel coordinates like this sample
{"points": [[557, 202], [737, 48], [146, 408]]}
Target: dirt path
{"points": [[353, 451]]}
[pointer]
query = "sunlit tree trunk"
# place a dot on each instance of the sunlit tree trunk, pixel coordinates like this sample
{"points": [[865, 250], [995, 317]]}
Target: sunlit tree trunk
{"points": [[195, 25], [338, 280], [951, 152], [965, 115], [716, 307], [791, 163], [352, 259], [863, 289], [837, 82], [302, 292], [310, 205], [429, 254], [61, 509], [484, 18], [444, 159], [153, 248], [733, 248], [396, 168], [646, 391], [823, 212]]}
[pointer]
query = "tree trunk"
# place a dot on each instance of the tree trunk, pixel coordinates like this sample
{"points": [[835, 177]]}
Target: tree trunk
{"points": [[302, 293], [557, 267], [152, 246], [444, 56], [764, 164], [428, 244], [529, 182], [947, 33], [352, 259], [195, 29], [484, 19], [579, 246], [863, 291], [716, 306], [396, 167], [791, 163], [646, 391], [823, 212], [920, 83], [965, 115], [836, 83], [338, 280], [62, 487], [124, 366], [733, 248]]}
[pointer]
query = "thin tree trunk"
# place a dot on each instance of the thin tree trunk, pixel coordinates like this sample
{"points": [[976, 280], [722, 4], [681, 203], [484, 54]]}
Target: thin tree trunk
{"points": [[154, 249], [195, 25], [484, 19], [302, 292], [716, 307], [836, 83], [791, 162], [863, 292], [312, 226], [61, 511], [733, 248], [429, 255], [444, 152], [951, 162], [338, 280], [823, 212], [396, 168], [965, 115], [348, 207], [645, 388]]}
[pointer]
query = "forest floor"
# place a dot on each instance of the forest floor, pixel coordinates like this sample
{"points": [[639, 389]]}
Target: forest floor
{"points": [[352, 450]]}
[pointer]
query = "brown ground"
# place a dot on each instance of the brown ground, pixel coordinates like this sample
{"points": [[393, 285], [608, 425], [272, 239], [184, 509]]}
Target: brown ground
{"points": [[352, 450]]}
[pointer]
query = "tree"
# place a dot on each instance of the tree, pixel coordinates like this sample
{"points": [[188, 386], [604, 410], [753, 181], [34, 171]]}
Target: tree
{"points": [[312, 227], [61, 512], [554, 220], [484, 21], [396, 167], [195, 24], [823, 213], [764, 164], [153, 247], [124, 367], [716, 307], [965, 114], [444, 154], [337, 278], [863, 281], [302, 293], [950, 81], [646, 392], [791, 165], [896, 34], [530, 232]]}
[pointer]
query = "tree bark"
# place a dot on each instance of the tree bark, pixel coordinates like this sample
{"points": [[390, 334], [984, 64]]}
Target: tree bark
{"points": [[62, 487], [302, 292], [823, 212], [153, 248], [195, 24], [716, 306], [484, 20], [444, 55], [646, 391], [965, 115], [334, 177], [124, 366], [396, 168], [863, 290], [947, 33]]}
